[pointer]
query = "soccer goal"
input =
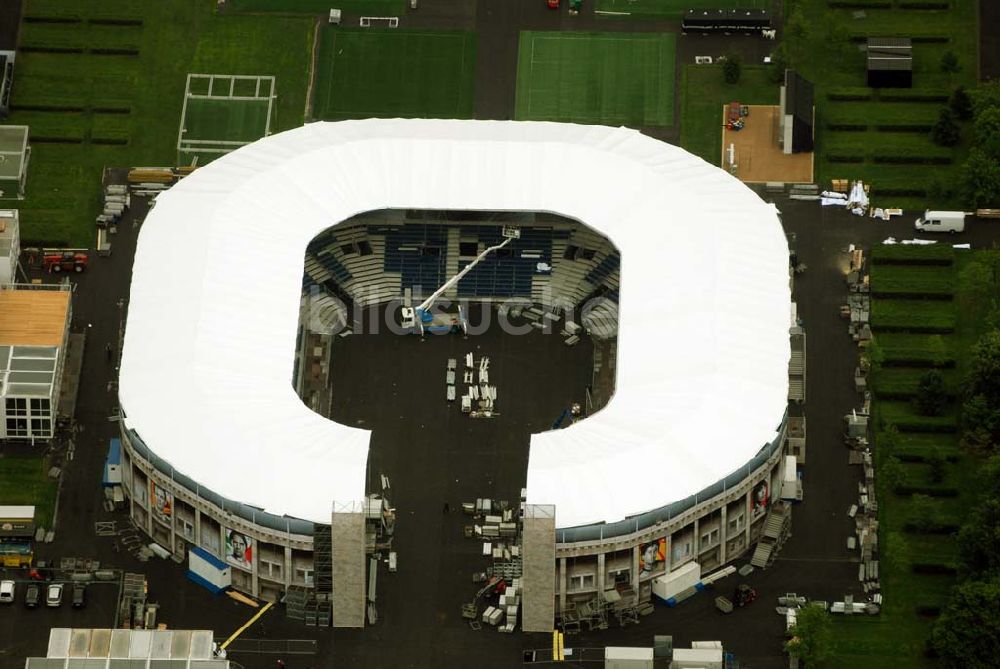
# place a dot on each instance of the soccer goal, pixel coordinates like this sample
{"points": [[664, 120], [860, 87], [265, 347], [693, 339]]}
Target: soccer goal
{"points": [[380, 21]]}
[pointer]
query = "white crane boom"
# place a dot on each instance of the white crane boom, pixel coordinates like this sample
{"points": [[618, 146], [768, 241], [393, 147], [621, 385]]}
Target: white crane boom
{"points": [[509, 233]]}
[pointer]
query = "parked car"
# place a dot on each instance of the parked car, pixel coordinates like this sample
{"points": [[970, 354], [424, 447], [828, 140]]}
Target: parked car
{"points": [[941, 221], [6, 592], [32, 595], [79, 595], [53, 596]]}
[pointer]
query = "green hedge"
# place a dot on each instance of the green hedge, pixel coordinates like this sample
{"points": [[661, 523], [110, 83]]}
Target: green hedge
{"points": [[906, 254], [917, 350], [934, 281], [903, 382], [902, 415]]}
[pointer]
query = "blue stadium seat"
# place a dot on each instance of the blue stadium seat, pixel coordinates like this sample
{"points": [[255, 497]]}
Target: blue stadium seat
{"points": [[419, 253], [507, 273]]}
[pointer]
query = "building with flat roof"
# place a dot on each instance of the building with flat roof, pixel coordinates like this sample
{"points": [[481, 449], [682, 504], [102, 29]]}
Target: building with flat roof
{"points": [[890, 62], [80, 648], [34, 332], [10, 246], [14, 154]]}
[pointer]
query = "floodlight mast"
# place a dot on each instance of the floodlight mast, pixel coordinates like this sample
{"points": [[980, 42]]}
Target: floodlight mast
{"points": [[509, 232]]}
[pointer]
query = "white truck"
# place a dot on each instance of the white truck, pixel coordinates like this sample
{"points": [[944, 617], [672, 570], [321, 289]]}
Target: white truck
{"points": [[941, 221]]}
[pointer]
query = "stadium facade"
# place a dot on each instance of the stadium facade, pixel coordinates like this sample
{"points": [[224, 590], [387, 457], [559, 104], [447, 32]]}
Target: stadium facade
{"points": [[680, 465]]}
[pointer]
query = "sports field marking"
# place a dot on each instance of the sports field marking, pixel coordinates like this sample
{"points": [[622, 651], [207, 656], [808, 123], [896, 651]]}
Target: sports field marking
{"points": [[206, 95]]}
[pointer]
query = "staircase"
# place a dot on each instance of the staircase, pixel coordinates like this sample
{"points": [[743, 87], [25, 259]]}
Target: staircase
{"points": [[777, 529]]}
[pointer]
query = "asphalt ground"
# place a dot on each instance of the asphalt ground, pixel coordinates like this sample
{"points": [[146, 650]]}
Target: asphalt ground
{"points": [[10, 23], [989, 47]]}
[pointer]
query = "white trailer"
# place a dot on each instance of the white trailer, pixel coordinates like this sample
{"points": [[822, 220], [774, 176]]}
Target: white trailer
{"points": [[697, 658], [208, 571], [671, 584], [622, 657]]}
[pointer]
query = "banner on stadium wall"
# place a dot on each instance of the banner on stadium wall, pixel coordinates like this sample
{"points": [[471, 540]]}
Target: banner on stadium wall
{"points": [[652, 555], [239, 549], [161, 503], [761, 498]]}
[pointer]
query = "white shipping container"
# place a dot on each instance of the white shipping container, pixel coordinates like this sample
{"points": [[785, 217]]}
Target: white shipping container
{"points": [[620, 657], [208, 570], [697, 658], [672, 583]]}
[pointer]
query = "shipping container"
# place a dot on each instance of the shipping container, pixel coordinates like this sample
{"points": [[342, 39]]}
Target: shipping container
{"points": [[669, 585], [619, 657]]}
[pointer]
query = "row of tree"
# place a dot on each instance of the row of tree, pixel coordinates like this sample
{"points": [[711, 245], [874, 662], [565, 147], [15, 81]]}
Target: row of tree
{"points": [[967, 634]]}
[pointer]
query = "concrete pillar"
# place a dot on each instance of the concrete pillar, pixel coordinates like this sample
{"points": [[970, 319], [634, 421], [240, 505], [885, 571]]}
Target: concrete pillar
{"points": [[347, 534], [254, 557], [197, 526], [722, 536], [562, 584], [634, 572], [286, 569], [538, 576], [149, 505], [746, 518], [601, 572], [696, 542]]}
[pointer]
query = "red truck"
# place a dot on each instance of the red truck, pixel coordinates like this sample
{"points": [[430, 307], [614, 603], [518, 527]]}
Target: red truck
{"points": [[65, 261]]}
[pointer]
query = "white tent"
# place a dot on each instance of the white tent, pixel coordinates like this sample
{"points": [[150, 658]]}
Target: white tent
{"points": [[206, 375]]}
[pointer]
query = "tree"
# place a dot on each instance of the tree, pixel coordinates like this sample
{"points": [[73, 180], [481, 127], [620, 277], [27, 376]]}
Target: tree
{"points": [[979, 541], [732, 68], [811, 636], [967, 635], [945, 132], [949, 63], [961, 104], [925, 514], [779, 63], [931, 394], [984, 368], [891, 473], [987, 130], [985, 96], [937, 465], [896, 551], [981, 180], [797, 31]]}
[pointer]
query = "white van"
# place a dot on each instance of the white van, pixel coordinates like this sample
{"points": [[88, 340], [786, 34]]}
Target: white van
{"points": [[941, 221]]}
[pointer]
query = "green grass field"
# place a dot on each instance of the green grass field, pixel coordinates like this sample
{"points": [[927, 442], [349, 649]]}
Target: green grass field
{"points": [[931, 316], [665, 9], [871, 125], [596, 78], [134, 100], [25, 481], [226, 120], [704, 93], [369, 72]]}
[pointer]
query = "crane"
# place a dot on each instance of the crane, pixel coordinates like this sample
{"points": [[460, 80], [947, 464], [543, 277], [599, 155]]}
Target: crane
{"points": [[420, 319]]}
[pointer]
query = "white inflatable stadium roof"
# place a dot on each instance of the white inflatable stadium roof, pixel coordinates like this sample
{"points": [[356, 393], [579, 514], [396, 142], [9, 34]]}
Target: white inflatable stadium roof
{"points": [[206, 373]]}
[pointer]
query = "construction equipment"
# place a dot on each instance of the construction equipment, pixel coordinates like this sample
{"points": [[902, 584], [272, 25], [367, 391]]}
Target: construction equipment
{"points": [[744, 595], [735, 113], [420, 319], [70, 260]]}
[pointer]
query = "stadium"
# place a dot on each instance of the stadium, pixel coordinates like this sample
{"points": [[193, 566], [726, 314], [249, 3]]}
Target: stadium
{"points": [[671, 275]]}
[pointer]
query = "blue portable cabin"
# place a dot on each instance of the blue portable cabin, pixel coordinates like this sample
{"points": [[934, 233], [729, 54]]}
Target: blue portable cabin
{"points": [[113, 464]]}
